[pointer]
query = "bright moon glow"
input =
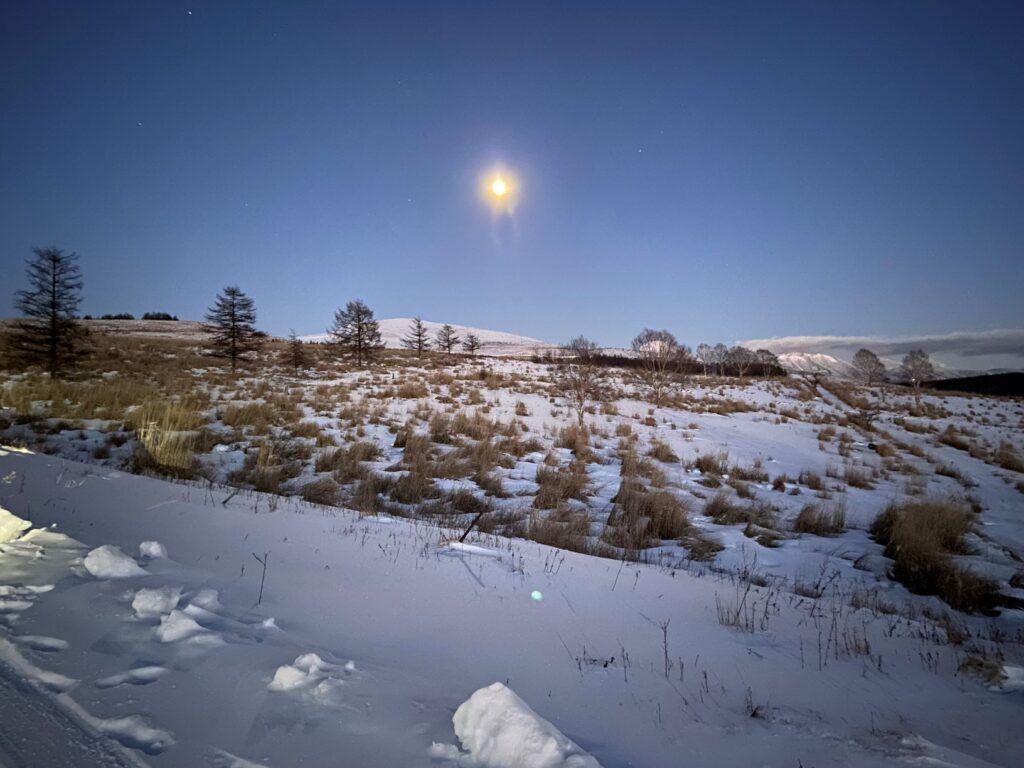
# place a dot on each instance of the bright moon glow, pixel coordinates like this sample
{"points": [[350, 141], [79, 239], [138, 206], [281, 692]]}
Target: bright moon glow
{"points": [[500, 189]]}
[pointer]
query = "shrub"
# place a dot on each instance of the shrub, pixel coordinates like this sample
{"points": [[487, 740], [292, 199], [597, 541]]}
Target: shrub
{"points": [[570, 532]]}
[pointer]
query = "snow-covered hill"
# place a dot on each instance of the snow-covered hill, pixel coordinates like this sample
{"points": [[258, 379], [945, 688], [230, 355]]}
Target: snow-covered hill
{"points": [[500, 343], [811, 362]]}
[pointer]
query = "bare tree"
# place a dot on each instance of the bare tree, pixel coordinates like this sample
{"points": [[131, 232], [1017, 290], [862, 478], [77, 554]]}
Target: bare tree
{"points": [[742, 359], [231, 322], [768, 361], [296, 352], [579, 376], [356, 332], [48, 333], [446, 338], [418, 338], [705, 356], [719, 356], [659, 354], [917, 368], [868, 367], [471, 343]]}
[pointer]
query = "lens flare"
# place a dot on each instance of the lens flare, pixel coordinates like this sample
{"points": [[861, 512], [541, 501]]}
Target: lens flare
{"points": [[536, 595]]}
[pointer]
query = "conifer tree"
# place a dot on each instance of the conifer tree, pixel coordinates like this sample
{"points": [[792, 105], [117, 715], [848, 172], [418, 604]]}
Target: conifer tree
{"points": [[446, 338], [418, 338], [231, 323], [48, 334], [356, 332]]}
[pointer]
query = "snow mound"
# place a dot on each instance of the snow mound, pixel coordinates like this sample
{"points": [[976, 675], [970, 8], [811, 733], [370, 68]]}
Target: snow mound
{"points": [[177, 626], [137, 676], [152, 550], [109, 562], [155, 602], [499, 730], [11, 526], [312, 678]]}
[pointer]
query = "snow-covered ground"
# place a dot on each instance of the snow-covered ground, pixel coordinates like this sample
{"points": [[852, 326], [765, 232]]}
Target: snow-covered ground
{"points": [[131, 604], [373, 633]]}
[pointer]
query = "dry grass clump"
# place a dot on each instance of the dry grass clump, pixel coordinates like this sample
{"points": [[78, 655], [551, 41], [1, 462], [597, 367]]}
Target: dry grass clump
{"points": [[323, 491], [306, 429], [1007, 458], [754, 473], [724, 511], [856, 477], [413, 488], [988, 669], [920, 536], [711, 463], [168, 436], [569, 530], [643, 517], [952, 437], [812, 480], [347, 463], [559, 484], [820, 522], [661, 451], [367, 496], [412, 390], [576, 439]]}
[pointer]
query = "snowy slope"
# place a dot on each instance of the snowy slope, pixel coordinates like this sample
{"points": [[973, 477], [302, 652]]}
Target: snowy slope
{"points": [[393, 329], [810, 362], [372, 633]]}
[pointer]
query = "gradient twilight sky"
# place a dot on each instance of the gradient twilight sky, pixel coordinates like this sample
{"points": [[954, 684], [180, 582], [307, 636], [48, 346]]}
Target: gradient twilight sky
{"points": [[723, 170]]}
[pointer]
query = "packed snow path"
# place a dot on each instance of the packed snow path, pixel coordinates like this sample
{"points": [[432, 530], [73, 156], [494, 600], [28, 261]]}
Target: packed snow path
{"points": [[373, 632]]}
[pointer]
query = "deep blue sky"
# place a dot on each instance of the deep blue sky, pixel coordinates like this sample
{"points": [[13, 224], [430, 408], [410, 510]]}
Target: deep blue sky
{"points": [[723, 170]]}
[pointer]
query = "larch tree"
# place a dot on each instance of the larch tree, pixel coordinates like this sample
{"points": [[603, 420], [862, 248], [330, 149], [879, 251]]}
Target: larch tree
{"points": [[356, 332], [868, 367], [446, 338], [659, 355], [418, 338], [231, 323], [296, 352], [471, 344], [48, 334], [579, 376]]}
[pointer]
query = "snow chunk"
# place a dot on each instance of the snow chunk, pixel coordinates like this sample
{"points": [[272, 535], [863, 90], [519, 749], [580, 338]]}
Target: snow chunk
{"points": [[152, 550], [207, 599], [155, 602], [109, 562], [11, 526], [177, 626], [499, 730]]}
